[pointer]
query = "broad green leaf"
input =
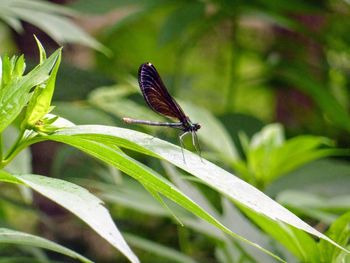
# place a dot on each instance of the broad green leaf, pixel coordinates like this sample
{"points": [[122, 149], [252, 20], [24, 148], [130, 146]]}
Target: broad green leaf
{"points": [[270, 156], [224, 182], [49, 17], [164, 205], [298, 242], [339, 231], [14, 96], [210, 125], [230, 216], [83, 204], [111, 101], [37, 5], [78, 201], [20, 238], [103, 147]]}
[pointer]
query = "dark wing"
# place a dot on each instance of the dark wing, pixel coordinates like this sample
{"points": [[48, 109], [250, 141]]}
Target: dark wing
{"points": [[156, 94]]}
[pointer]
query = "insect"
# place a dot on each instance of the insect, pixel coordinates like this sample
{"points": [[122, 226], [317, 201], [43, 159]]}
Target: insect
{"points": [[158, 99]]}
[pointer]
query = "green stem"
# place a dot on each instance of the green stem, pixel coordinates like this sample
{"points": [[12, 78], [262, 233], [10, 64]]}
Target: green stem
{"points": [[14, 150]]}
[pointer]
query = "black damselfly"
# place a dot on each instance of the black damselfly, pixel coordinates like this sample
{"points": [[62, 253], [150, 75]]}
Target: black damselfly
{"points": [[158, 99]]}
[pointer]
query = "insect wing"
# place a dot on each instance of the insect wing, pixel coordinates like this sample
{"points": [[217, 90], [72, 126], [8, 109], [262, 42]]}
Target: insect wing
{"points": [[156, 94]]}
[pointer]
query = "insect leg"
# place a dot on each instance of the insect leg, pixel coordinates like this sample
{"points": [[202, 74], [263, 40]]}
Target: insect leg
{"points": [[196, 145], [182, 145]]}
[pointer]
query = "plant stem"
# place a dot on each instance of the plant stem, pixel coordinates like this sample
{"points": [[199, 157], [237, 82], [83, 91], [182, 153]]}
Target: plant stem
{"points": [[14, 150]]}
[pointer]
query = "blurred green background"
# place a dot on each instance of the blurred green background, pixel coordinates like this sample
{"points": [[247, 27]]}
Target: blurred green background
{"points": [[236, 67]]}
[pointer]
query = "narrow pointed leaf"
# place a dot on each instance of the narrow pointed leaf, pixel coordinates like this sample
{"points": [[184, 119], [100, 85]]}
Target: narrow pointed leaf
{"points": [[78, 201], [224, 182], [107, 152], [20, 238]]}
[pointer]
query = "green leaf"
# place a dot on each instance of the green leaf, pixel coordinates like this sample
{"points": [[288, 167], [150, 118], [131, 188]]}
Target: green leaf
{"points": [[14, 96], [20, 66], [19, 238], [103, 147], [210, 125], [269, 156], [12, 69], [40, 103], [78, 201], [83, 204], [42, 52], [161, 201], [339, 231], [49, 17], [6, 177], [217, 178], [298, 242]]}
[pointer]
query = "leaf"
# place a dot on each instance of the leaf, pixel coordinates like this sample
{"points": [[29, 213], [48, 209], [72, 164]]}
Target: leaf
{"points": [[14, 96], [40, 103], [339, 231], [217, 178], [6, 177], [49, 17], [20, 238], [298, 242], [42, 52], [103, 147], [270, 156], [230, 216], [78, 201], [223, 143]]}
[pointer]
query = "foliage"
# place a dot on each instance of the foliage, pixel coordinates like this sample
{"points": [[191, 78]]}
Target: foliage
{"points": [[51, 18], [233, 68]]}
